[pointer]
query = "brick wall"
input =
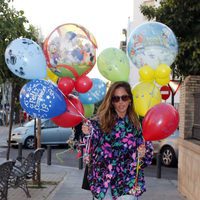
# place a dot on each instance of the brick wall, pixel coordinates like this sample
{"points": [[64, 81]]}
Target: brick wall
{"points": [[188, 88], [189, 149]]}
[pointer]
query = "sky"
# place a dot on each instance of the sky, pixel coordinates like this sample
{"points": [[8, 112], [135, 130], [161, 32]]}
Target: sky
{"points": [[105, 19]]}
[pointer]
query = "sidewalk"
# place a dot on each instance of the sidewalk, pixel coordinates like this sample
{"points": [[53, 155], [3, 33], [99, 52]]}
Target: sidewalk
{"points": [[157, 189], [4, 130], [64, 183]]}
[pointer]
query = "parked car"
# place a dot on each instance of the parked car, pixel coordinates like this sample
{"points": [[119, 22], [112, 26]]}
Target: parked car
{"points": [[50, 134], [168, 148]]}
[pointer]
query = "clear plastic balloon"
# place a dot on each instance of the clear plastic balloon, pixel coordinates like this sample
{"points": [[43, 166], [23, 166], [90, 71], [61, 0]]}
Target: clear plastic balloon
{"points": [[113, 64], [145, 96], [25, 59], [70, 50], [152, 43]]}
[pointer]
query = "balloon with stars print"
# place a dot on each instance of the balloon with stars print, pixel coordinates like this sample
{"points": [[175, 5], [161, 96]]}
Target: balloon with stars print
{"points": [[42, 99], [95, 94]]}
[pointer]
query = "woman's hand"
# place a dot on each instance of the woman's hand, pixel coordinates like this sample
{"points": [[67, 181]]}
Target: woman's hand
{"points": [[86, 129], [141, 150]]}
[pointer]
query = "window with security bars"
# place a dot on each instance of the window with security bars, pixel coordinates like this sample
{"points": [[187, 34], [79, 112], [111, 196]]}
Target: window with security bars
{"points": [[196, 125]]}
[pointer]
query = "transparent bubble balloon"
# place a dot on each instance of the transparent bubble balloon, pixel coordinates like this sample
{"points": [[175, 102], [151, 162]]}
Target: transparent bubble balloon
{"points": [[152, 44], [70, 50]]}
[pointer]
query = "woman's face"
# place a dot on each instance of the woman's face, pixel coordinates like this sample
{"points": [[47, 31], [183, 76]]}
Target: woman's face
{"points": [[121, 101]]}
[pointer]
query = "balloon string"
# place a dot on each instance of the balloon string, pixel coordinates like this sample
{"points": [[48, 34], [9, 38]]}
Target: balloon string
{"points": [[151, 95], [88, 140], [61, 153], [80, 114]]}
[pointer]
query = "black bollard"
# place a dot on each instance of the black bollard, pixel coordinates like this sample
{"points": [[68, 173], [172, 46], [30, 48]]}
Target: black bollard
{"points": [[158, 165], [80, 164], [19, 157], [48, 154]]}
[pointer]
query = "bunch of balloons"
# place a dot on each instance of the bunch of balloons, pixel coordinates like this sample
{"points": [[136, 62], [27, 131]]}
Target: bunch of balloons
{"points": [[59, 87], [152, 48]]}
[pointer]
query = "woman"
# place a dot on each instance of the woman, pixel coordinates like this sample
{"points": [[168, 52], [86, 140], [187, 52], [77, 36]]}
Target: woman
{"points": [[118, 151]]}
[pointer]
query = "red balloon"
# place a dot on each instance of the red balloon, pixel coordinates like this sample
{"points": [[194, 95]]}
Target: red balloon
{"points": [[66, 85], [83, 84], [160, 122], [73, 115]]}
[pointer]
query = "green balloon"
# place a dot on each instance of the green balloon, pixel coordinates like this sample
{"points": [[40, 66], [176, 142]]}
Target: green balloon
{"points": [[88, 110], [113, 64]]}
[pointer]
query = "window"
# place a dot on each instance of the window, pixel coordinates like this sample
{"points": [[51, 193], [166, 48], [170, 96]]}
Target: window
{"points": [[49, 124]]}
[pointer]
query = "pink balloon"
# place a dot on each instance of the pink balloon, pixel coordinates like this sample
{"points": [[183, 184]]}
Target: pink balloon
{"points": [[160, 122], [83, 84], [73, 115], [66, 85]]}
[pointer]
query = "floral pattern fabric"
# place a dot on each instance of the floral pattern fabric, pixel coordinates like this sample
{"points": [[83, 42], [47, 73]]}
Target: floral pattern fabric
{"points": [[114, 160]]}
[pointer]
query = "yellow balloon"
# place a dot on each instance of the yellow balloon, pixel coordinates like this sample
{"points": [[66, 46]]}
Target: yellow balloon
{"points": [[146, 73], [145, 96], [51, 76], [163, 81], [162, 71]]}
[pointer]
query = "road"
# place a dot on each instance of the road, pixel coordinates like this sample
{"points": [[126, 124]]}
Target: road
{"points": [[65, 157]]}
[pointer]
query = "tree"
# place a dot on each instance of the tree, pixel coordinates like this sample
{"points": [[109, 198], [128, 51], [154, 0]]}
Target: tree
{"points": [[183, 18], [13, 25]]}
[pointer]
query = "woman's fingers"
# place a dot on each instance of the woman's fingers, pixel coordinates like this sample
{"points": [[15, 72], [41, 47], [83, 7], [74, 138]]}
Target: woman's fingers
{"points": [[85, 129], [141, 150]]}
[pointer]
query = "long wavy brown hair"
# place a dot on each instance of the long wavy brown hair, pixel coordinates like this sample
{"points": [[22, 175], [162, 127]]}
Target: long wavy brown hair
{"points": [[106, 112]]}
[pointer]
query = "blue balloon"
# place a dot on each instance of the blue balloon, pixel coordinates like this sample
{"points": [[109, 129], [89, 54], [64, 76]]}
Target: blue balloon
{"points": [[25, 59], [95, 94], [152, 44], [42, 99]]}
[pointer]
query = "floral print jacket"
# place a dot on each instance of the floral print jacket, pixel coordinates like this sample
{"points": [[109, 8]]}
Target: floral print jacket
{"points": [[114, 160]]}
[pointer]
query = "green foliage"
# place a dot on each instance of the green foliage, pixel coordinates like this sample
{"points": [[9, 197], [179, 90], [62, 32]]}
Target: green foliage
{"points": [[183, 17], [13, 25]]}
